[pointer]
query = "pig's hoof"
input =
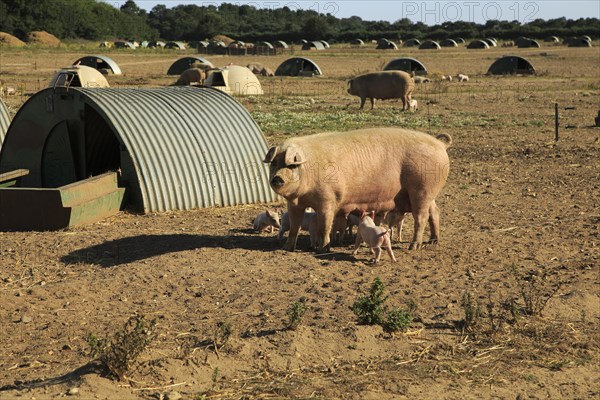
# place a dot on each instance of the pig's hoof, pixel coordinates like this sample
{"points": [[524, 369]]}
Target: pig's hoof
{"points": [[414, 246], [289, 247]]}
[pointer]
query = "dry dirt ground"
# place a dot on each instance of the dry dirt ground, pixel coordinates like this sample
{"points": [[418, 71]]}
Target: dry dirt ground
{"points": [[507, 304]]}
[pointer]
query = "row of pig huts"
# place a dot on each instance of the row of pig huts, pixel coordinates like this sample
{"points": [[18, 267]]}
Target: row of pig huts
{"points": [[236, 47]]}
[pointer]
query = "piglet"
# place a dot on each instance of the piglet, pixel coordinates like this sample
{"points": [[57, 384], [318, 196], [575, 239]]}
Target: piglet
{"points": [[285, 223], [266, 221], [395, 219], [376, 237]]}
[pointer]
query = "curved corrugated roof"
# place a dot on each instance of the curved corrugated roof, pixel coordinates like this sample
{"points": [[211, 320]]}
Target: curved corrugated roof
{"points": [[298, 66], [315, 44], [407, 64], [511, 64], [4, 121], [180, 147], [99, 62], [185, 63], [478, 44], [448, 43], [429, 45], [78, 76]]}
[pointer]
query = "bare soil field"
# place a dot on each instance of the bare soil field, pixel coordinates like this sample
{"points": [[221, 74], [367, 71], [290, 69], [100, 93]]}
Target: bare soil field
{"points": [[506, 306]]}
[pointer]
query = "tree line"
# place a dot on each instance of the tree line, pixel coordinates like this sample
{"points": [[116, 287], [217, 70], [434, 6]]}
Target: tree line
{"points": [[97, 20]]}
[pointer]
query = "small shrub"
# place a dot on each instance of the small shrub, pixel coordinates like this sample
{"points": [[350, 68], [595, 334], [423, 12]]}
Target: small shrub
{"points": [[222, 334], [472, 311], [295, 313], [119, 354], [370, 310], [535, 290], [396, 320]]}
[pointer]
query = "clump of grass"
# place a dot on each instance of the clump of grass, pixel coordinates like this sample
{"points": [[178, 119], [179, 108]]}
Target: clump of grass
{"points": [[535, 290], [120, 352], [371, 310], [295, 314], [222, 334], [472, 311]]}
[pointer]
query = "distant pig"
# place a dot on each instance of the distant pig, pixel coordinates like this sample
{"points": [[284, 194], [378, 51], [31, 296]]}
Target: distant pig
{"points": [[382, 85], [381, 169], [375, 236], [192, 76], [414, 105], [266, 221]]}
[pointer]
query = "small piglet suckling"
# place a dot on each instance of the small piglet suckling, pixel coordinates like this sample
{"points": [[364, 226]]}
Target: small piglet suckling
{"points": [[375, 236], [266, 221]]}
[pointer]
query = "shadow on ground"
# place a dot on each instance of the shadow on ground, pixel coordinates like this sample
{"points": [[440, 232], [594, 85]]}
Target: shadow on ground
{"points": [[136, 248]]}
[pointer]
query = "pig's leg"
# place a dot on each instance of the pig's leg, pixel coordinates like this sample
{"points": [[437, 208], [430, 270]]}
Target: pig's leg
{"points": [[295, 214], [388, 246], [377, 251], [357, 243], [434, 222], [324, 222], [400, 225], [372, 102], [421, 215], [362, 102]]}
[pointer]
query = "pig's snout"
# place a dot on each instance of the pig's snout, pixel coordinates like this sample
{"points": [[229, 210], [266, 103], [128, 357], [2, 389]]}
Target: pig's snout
{"points": [[277, 182]]}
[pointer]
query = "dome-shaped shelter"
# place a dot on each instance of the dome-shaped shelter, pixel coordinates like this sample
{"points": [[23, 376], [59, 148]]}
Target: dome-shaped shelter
{"points": [[175, 45], [264, 44], [478, 44], [430, 45], [578, 42], [186, 63], [234, 79], [104, 64], [4, 121], [325, 43], [384, 44], [281, 44], [412, 43], [491, 42], [176, 148], [314, 45], [79, 76], [357, 42], [298, 66], [406, 64], [448, 43], [511, 65], [124, 45], [552, 39], [156, 44], [528, 43], [459, 40]]}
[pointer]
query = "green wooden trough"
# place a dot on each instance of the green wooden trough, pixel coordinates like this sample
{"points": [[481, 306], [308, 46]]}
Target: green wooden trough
{"points": [[82, 202]]}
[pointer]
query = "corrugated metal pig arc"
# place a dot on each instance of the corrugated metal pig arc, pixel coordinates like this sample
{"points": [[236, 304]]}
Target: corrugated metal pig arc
{"points": [[181, 147], [192, 146], [4, 121]]}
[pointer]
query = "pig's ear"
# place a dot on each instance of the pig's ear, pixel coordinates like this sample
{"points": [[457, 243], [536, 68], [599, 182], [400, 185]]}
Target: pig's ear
{"points": [[294, 156], [271, 154]]}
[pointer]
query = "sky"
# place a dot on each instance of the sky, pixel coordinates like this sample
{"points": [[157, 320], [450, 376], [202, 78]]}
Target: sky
{"points": [[428, 12]]}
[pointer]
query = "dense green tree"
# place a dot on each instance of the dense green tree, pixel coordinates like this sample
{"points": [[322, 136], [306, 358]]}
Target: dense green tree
{"points": [[315, 27]]}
